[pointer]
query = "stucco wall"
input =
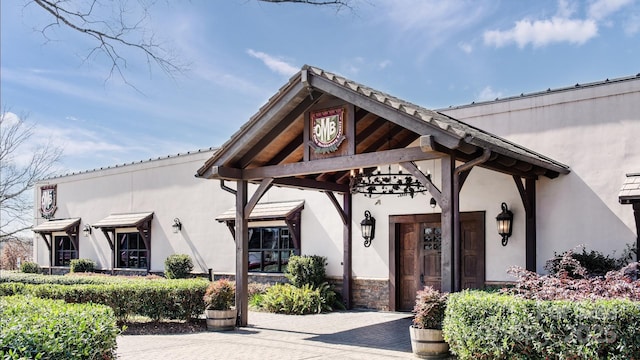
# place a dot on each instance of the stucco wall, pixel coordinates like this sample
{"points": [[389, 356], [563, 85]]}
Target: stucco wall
{"points": [[595, 131]]}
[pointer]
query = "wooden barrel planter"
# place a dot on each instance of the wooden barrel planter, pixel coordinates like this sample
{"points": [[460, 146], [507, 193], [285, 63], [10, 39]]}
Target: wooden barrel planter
{"points": [[221, 320], [428, 343]]}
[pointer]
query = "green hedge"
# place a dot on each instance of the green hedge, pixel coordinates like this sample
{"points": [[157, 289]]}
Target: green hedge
{"points": [[156, 299], [32, 328], [480, 325]]}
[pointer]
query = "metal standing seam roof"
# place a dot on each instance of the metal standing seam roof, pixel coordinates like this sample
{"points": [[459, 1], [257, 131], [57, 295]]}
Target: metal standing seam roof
{"points": [[458, 129], [272, 210], [630, 191], [123, 220], [56, 225]]}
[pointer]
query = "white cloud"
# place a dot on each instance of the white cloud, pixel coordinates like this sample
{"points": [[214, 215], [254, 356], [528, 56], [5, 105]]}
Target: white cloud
{"points": [[465, 47], [561, 28], [273, 63], [543, 32], [488, 94], [603, 8]]}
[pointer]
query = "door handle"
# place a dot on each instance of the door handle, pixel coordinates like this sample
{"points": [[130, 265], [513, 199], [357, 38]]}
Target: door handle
{"points": [[422, 279]]}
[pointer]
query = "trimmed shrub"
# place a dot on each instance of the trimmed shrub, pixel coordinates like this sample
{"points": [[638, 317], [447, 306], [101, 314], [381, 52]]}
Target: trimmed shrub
{"points": [[82, 266], [32, 328], [30, 267], [306, 270], [292, 300], [480, 325], [289, 299], [178, 266], [156, 299]]}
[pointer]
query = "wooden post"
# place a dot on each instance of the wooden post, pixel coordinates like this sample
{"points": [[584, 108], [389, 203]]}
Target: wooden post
{"points": [[530, 227], [636, 214], [347, 253], [242, 254], [447, 164], [456, 245]]}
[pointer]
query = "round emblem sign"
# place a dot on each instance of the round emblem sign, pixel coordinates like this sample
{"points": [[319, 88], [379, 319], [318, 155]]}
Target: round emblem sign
{"points": [[326, 130]]}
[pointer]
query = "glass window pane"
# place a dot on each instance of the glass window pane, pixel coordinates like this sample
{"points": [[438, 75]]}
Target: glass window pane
{"points": [[254, 239], [270, 238], [255, 260]]}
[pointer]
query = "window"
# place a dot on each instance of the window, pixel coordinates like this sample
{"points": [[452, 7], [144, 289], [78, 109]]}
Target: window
{"points": [[132, 251], [270, 248], [65, 251]]}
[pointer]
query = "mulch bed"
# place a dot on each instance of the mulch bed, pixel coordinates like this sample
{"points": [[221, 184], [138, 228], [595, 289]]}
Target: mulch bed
{"points": [[164, 327]]}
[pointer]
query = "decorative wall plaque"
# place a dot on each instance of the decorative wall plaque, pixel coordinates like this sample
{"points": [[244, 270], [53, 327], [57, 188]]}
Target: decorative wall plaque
{"points": [[327, 130], [48, 201]]}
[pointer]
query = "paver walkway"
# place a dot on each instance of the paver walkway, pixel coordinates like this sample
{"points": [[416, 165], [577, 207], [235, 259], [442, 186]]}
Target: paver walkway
{"points": [[339, 335]]}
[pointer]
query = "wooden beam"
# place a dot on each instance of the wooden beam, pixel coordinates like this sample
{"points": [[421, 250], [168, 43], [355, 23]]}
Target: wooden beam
{"points": [[286, 151], [301, 183], [264, 186], [338, 163], [336, 205], [242, 254], [396, 116], [279, 128], [258, 126], [223, 173], [424, 180]]}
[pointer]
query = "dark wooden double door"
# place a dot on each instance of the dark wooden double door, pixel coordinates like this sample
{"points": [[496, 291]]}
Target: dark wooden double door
{"points": [[419, 243]]}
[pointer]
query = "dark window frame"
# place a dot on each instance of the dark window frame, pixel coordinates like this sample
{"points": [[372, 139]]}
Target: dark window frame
{"points": [[270, 248], [132, 251], [67, 248]]}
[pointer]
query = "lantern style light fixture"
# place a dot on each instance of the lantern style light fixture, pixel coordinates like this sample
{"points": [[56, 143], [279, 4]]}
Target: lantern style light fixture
{"points": [[505, 221], [86, 230], [433, 203], [177, 225], [368, 227]]}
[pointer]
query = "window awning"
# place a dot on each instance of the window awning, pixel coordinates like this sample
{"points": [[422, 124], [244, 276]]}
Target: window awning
{"points": [[57, 225], [266, 211], [124, 220], [630, 192]]}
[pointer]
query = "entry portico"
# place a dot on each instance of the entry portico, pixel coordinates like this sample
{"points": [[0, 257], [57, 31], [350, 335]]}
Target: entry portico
{"points": [[283, 145]]}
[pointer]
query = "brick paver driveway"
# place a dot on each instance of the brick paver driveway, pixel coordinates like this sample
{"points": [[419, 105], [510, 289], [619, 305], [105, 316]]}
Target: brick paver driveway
{"points": [[339, 335]]}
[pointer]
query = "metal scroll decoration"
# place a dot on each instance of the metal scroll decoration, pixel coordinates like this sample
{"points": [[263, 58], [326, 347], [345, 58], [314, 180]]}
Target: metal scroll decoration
{"points": [[387, 183]]}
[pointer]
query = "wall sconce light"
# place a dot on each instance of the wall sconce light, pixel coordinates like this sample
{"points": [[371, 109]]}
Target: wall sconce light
{"points": [[86, 230], [177, 225], [368, 227], [433, 203], [505, 221]]}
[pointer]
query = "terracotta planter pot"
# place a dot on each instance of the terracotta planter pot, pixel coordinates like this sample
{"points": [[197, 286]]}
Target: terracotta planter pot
{"points": [[221, 320], [428, 343]]}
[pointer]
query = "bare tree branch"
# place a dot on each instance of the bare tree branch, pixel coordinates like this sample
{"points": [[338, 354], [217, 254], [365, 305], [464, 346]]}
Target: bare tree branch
{"points": [[112, 33], [20, 168]]}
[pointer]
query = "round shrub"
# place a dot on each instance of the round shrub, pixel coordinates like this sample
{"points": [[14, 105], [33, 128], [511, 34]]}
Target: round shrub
{"points": [[178, 266], [306, 270], [82, 265], [220, 295], [429, 309], [30, 267]]}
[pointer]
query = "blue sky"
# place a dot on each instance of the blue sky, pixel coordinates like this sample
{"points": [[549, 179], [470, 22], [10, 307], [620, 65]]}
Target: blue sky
{"points": [[240, 52]]}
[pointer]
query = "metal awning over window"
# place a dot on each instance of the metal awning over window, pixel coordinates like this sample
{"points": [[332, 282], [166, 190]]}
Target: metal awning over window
{"points": [[124, 220], [61, 225], [266, 211], [630, 191], [141, 221], [287, 211]]}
